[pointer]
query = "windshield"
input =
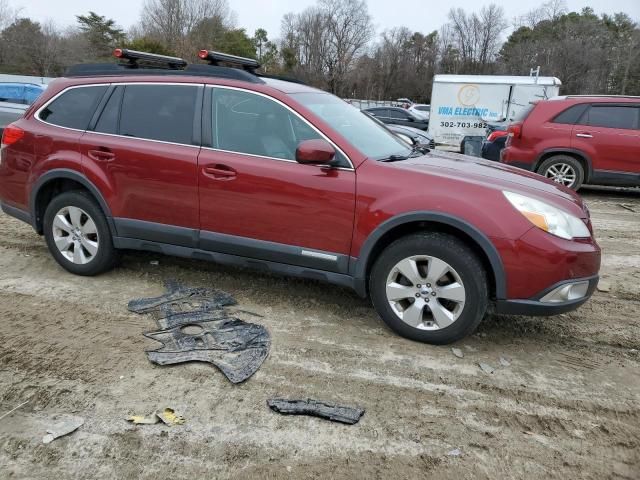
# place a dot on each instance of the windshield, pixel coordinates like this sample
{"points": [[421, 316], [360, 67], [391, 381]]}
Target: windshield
{"points": [[364, 133]]}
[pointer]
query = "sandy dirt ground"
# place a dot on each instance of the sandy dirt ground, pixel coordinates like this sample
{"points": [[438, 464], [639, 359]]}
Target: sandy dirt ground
{"points": [[568, 406]]}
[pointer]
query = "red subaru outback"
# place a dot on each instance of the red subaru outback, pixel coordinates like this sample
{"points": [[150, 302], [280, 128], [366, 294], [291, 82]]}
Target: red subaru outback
{"points": [[579, 139], [219, 163]]}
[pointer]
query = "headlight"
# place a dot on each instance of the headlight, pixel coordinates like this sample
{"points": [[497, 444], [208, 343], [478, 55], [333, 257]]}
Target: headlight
{"points": [[548, 218]]}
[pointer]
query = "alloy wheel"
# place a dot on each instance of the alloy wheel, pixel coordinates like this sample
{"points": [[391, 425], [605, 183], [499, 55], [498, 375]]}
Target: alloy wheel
{"points": [[425, 292], [562, 173], [75, 235]]}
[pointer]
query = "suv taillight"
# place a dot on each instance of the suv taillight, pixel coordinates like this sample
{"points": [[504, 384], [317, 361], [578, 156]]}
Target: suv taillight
{"points": [[495, 134], [515, 130], [11, 135]]}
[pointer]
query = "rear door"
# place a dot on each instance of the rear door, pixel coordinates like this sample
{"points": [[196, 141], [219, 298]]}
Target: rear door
{"points": [[141, 150], [610, 135]]}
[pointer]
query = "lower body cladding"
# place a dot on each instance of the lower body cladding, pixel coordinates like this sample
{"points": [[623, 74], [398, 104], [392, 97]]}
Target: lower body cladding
{"points": [[554, 275]]}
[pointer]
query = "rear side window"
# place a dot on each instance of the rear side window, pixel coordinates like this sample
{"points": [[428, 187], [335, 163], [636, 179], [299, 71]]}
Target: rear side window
{"points": [[613, 116], [74, 108], [524, 113], [159, 112], [571, 115]]}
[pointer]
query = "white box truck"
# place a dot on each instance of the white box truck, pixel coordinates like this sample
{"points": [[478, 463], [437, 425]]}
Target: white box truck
{"points": [[462, 105]]}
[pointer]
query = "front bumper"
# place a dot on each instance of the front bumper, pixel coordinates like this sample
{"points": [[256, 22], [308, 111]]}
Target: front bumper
{"points": [[541, 306]]}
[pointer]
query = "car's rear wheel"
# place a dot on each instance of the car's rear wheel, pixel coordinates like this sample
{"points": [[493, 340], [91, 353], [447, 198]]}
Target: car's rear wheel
{"points": [[429, 287], [564, 170], [77, 234]]}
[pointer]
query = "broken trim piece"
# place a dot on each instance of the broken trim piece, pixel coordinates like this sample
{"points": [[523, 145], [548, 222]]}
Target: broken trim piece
{"points": [[328, 411]]}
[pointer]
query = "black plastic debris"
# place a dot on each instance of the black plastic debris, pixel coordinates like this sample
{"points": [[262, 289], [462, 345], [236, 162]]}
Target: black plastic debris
{"points": [[179, 299], [194, 326], [236, 347], [328, 411]]}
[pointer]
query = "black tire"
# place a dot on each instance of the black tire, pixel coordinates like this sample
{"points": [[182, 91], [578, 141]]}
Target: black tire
{"points": [[106, 256], [557, 160], [452, 251]]}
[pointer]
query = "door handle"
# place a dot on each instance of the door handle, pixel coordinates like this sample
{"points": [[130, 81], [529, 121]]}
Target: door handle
{"points": [[102, 154], [220, 172], [584, 135]]}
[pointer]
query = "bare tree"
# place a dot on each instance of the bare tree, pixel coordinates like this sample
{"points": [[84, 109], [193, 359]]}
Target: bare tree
{"points": [[477, 36], [349, 29], [173, 21], [327, 39], [7, 14]]}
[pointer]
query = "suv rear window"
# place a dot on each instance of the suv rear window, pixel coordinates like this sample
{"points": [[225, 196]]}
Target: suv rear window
{"points": [[571, 115], [613, 116], [74, 108]]}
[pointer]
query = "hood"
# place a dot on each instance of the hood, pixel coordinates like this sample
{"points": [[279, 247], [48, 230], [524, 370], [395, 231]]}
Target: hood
{"points": [[496, 176]]}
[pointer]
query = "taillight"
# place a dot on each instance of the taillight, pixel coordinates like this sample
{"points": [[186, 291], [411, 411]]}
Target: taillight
{"points": [[203, 54], [117, 53], [495, 134], [11, 135], [515, 130]]}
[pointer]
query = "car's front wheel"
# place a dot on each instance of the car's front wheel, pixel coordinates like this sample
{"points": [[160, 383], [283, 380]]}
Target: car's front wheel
{"points": [[429, 287], [77, 234]]}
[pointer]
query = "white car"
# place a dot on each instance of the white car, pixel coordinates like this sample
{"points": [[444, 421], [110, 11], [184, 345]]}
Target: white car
{"points": [[421, 109]]}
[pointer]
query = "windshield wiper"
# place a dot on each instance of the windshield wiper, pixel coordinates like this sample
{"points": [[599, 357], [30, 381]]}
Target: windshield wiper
{"points": [[416, 151]]}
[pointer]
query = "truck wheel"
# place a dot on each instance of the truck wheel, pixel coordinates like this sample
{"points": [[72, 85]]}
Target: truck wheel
{"points": [[429, 287], [563, 169], [77, 234]]}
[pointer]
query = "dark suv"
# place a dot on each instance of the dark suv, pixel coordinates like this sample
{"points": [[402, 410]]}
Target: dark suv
{"points": [[579, 139], [219, 163]]}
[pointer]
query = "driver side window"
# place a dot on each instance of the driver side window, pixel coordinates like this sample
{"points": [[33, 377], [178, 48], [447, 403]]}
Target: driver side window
{"points": [[244, 122]]}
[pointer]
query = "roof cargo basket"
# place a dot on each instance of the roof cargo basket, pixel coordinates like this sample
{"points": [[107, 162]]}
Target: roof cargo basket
{"points": [[135, 58], [222, 59]]}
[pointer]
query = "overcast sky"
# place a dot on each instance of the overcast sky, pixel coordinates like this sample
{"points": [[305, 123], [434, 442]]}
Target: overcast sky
{"points": [[418, 15]]}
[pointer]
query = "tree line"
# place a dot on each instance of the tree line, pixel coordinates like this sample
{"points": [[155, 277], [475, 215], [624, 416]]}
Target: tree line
{"points": [[333, 45]]}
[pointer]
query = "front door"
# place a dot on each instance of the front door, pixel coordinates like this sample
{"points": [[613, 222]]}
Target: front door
{"points": [[256, 200], [142, 152]]}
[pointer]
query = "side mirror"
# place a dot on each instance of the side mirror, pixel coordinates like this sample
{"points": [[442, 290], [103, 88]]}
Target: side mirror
{"points": [[411, 119], [315, 152]]}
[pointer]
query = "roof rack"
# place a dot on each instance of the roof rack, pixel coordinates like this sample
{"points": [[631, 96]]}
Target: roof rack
{"points": [[143, 63], [151, 59], [218, 58]]}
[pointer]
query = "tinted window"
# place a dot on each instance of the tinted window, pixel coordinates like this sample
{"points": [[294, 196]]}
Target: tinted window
{"points": [[379, 112], [74, 108], [253, 124], [108, 122], [571, 115], [397, 114], [613, 117], [159, 112], [424, 108]]}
